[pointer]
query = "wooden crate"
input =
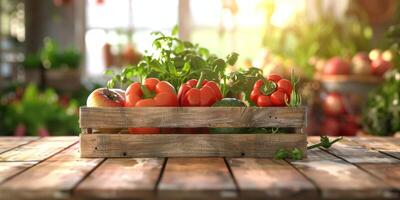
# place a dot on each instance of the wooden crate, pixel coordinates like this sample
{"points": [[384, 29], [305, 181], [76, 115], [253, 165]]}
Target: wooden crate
{"points": [[189, 145]]}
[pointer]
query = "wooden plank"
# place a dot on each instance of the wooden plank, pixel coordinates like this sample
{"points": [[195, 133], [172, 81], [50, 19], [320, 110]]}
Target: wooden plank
{"points": [[122, 178], [337, 178], [188, 145], [7, 143], [387, 172], [38, 150], [268, 178], [96, 117], [204, 178], [383, 166], [51, 179], [387, 145], [10, 169], [355, 153]]}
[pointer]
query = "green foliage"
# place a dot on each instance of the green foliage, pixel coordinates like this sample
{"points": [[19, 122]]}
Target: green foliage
{"points": [[52, 57], [325, 142], [381, 115], [41, 110], [175, 61], [295, 154], [382, 112]]}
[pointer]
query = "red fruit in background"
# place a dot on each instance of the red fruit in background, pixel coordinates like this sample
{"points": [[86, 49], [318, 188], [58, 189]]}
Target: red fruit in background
{"points": [[336, 66], [380, 66], [348, 129], [333, 104], [330, 127], [361, 64]]}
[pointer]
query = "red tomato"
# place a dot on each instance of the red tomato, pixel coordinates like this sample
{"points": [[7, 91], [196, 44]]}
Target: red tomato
{"points": [[278, 98], [264, 101], [274, 77], [254, 95], [285, 85], [258, 84]]}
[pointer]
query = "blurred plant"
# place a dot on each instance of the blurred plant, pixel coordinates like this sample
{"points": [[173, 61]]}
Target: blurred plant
{"points": [[323, 37], [52, 57], [39, 113], [382, 113]]}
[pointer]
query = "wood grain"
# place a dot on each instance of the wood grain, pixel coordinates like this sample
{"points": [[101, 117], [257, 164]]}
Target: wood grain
{"points": [[268, 178], [51, 179], [38, 150], [96, 117], [185, 178], [188, 145], [9, 169], [382, 166], [122, 178], [337, 178], [387, 145], [7, 143], [356, 153]]}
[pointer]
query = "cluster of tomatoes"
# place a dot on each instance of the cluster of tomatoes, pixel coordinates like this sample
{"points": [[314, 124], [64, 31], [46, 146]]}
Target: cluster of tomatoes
{"points": [[273, 91]]}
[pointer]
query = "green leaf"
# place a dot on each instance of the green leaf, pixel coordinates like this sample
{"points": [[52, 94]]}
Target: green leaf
{"points": [[281, 154], [198, 62], [171, 68], [175, 30], [111, 83], [296, 154], [186, 67], [108, 72], [157, 44], [219, 65], [203, 52], [232, 58]]}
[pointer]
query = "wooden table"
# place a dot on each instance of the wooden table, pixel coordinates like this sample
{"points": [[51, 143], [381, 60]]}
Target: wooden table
{"points": [[51, 168]]}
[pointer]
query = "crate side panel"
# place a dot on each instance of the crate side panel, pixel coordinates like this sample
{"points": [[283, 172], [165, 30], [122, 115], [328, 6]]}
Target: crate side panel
{"points": [[190, 117], [188, 145]]}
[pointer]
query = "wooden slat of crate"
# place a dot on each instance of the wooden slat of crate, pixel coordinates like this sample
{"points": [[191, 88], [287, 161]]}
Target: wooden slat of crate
{"points": [[53, 178], [264, 178], [122, 178], [187, 117], [196, 178], [188, 145]]}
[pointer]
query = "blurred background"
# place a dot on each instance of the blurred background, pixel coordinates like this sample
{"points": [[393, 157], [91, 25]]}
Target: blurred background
{"points": [[54, 52]]}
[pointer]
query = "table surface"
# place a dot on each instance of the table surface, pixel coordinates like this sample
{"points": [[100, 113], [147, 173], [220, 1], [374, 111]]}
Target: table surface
{"points": [[51, 168]]}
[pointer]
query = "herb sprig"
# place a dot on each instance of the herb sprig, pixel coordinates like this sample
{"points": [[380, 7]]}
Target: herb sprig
{"points": [[297, 154]]}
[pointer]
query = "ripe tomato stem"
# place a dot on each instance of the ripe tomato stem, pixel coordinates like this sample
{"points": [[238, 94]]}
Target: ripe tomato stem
{"points": [[200, 80]]}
